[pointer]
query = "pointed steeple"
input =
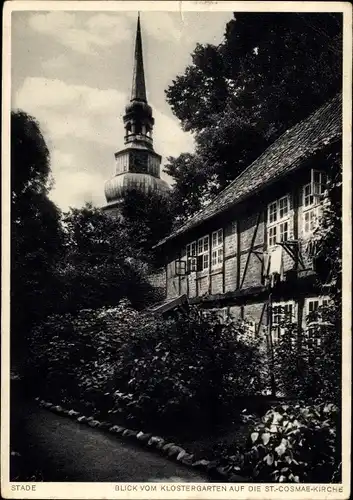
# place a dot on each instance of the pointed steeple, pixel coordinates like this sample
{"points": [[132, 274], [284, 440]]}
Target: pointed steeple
{"points": [[138, 90], [137, 166]]}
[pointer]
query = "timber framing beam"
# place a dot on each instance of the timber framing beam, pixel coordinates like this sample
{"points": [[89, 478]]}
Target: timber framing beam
{"points": [[292, 249], [251, 249], [288, 289]]}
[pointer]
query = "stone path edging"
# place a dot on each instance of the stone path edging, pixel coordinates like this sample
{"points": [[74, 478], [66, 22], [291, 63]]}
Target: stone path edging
{"points": [[169, 449]]}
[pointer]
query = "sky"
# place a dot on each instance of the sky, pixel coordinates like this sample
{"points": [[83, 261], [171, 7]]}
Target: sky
{"points": [[72, 71]]}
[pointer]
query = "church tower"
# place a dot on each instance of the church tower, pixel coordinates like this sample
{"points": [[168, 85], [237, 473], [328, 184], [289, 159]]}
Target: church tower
{"points": [[137, 166]]}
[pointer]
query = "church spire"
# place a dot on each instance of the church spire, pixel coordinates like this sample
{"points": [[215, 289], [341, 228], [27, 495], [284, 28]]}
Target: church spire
{"points": [[137, 166], [138, 90], [138, 118]]}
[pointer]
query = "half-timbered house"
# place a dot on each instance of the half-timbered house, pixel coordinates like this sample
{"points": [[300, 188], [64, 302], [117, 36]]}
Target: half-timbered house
{"points": [[247, 253]]}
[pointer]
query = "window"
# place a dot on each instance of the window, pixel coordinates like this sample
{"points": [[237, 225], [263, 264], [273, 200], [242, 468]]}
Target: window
{"points": [[312, 196], [203, 253], [272, 212], [308, 197], [310, 219], [272, 236], [180, 267], [191, 257], [313, 319], [278, 219], [318, 181], [282, 313], [217, 248], [283, 207], [283, 231]]}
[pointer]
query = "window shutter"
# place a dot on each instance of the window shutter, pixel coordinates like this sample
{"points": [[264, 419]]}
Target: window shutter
{"points": [[199, 263]]}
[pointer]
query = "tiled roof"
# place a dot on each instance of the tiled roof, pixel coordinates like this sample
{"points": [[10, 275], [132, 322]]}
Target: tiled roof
{"points": [[286, 154]]}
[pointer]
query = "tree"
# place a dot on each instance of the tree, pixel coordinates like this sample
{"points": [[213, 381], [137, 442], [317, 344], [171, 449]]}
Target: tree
{"points": [[147, 218], [36, 233], [30, 160], [240, 96], [100, 266]]}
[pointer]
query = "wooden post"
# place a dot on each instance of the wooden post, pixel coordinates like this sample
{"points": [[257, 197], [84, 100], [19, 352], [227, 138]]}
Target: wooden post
{"points": [[238, 254], [209, 262], [179, 277], [261, 318], [166, 278], [301, 320], [197, 271], [270, 345], [187, 275], [224, 262]]}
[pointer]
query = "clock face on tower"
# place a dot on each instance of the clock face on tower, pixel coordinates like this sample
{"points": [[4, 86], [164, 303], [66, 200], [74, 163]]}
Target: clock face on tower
{"points": [[138, 161]]}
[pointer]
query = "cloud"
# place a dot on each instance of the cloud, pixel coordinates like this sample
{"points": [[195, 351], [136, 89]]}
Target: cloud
{"points": [[162, 26], [87, 34], [75, 188], [169, 139], [78, 122], [58, 62], [91, 114], [82, 34], [62, 159], [72, 110]]}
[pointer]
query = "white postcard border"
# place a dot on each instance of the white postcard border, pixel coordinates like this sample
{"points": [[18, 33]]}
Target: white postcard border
{"points": [[172, 490]]}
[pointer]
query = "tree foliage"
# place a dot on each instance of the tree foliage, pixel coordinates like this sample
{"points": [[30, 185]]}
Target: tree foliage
{"points": [[188, 368], [239, 96], [300, 368], [36, 233], [100, 265], [146, 219], [30, 160], [292, 443], [328, 235]]}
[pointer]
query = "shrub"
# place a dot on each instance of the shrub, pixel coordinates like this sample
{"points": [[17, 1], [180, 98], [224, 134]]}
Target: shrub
{"points": [[310, 368], [292, 443], [189, 368], [73, 356]]}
